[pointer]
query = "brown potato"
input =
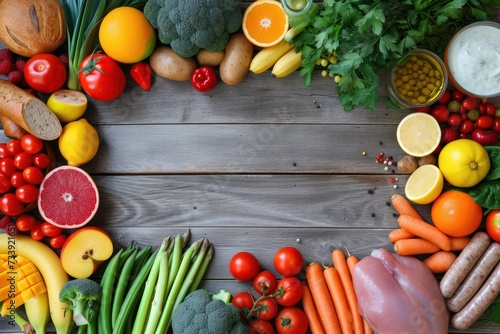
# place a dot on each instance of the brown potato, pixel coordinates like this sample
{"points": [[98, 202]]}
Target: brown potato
{"points": [[209, 58], [407, 164], [236, 63], [169, 65]]}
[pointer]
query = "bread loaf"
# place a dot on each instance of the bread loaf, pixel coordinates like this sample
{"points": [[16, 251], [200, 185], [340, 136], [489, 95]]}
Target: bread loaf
{"points": [[11, 129], [28, 112], [29, 27]]}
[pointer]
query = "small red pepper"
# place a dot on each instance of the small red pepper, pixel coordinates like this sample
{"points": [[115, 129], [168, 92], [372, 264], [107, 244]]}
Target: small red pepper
{"points": [[204, 79], [141, 73]]}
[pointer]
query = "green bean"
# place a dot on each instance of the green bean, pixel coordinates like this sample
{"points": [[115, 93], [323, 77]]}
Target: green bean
{"points": [[121, 286], [104, 321]]}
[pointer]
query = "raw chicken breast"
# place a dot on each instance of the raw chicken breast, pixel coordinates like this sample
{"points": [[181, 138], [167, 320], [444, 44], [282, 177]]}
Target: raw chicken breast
{"points": [[398, 294]]}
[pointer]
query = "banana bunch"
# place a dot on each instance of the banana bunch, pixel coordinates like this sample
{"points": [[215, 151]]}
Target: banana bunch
{"points": [[281, 57]]}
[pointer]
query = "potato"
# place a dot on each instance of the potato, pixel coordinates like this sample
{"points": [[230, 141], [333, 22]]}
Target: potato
{"points": [[209, 58], [169, 65], [236, 63], [427, 160], [407, 165]]}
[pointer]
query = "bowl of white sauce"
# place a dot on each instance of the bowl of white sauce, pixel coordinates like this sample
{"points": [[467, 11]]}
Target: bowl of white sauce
{"points": [[472, 59]]}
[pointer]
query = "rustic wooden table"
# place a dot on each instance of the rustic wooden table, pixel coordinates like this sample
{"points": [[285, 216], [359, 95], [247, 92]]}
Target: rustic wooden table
{"points": [[253, 167]]}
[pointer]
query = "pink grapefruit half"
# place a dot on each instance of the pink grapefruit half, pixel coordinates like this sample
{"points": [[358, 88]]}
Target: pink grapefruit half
{"points": [[68, 197]]}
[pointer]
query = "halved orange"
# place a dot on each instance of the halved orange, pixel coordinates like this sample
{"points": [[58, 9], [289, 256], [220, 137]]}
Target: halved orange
{"points": [[265, 23]]}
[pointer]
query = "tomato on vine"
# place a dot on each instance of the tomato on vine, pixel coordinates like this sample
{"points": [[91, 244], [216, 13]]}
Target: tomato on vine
{"points": [[291, 320], [259, 326], [244, 266], [289, 291], [266, 308], [265, 282]]}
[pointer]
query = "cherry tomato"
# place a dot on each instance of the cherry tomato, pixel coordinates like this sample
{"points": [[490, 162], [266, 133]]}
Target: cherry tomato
{"points": [[440, 113], [469, 103], [445, 98], [493, 224], [467, 126], [289, 291], [490, 109], [5, 184], [291, 320], [244, 266], [36, 232], [57, 241], [484, 122], [265, 282], [101, 77], [25, 222], [41, 160], [17, 179], [4, 152], [14, 147], [23, 160], [31, 144], [288, 261], [7, 167], [10, 205], [259, 326], [33, 175], [27, 193], [457, 95], [425, 109], [45, 73], [50, 230], [266, 308], [455, 120], [448, 134], [244, 301], [496, 125]]}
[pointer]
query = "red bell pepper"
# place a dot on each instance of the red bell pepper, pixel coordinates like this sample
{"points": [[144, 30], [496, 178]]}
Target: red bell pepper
{"points": [[141, 73], [204, 79]]}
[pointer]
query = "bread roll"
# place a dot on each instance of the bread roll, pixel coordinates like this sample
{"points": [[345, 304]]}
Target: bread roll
{"points": [[29, 27]]}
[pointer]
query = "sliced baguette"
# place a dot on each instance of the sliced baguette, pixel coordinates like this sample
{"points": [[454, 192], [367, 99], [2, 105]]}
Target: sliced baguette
{"points": [[11, 129], [28, 112]]}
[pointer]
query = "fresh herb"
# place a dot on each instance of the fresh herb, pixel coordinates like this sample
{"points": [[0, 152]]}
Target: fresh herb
{"points": [[83, 18], [487, 193], [367, 36], [493, 311]]}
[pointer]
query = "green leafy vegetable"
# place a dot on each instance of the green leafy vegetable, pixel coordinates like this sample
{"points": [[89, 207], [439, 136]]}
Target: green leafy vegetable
{"points": [[367, 36], [487, 193]]}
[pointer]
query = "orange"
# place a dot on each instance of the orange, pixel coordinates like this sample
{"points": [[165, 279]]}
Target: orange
{"points": [[456, 213], [126, 35], [265, 23]]}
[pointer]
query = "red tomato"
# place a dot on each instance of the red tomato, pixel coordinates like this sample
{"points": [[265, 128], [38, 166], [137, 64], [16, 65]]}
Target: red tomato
{"points": [[36, 232], [27, 193], [33, 175], [484, 122], [448, 134], [57, 241], [265, 282], [484, 137], [31, 144], [10, 205], [23, 160], [291, 320], [425, 109], [455, 120], [17, 179], [493, 224], [490, 109], [41, 160], [14, 147], [467, 126], [4, 151], [440, 113], [5, 184], [259, 326], [445, 98], [101, 77], [496, 125], [244, 266], [7, 167], [45, 73], [288, 261], [50, 230], [469, 103], [244, 301], [25, 222], [266, 308], [289, 291], [457, 95]]}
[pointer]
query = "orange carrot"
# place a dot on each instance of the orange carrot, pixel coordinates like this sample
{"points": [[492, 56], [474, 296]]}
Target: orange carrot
{"points": [[415, 246], [399, 234], [425, 230], [340, 263], [404, 206], [459, 243], [366, 327], [322, 299], [440, 262], [339, 299], [310, 310]]}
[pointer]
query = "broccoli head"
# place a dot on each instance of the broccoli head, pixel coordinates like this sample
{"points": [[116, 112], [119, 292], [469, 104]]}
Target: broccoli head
{"points": [[84, 297], [191, 25], [204, 313]]}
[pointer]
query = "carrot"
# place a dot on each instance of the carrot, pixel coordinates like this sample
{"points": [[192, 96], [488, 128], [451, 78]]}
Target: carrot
{"points": [[322, 298], [339, 299], [459, 243], [440, 262], [404, 206], [425, 230], [399, 234], [340, 263], [310, 310], [415, 246]]}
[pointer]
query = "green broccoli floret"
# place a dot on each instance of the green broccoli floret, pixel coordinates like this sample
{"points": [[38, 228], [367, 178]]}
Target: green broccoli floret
{"points": [[202, 312], [84, 296], [191, 25]]}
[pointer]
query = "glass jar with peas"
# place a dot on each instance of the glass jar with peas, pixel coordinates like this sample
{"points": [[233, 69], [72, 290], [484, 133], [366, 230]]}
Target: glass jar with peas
{"points": [[416, 80]]}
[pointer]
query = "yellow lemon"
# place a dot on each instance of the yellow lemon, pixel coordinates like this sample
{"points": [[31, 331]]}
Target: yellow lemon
{"points": [[78, 142], [418, 134], [424, 185], [68, 105]]}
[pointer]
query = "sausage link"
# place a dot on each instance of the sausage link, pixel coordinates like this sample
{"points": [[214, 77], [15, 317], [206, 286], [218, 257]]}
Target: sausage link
{"points": [[479, 303], [476, 277], [464, 263]]}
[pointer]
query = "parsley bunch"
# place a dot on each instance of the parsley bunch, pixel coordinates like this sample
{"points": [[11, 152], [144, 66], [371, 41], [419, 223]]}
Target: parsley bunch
{"points": [[367, 35]]}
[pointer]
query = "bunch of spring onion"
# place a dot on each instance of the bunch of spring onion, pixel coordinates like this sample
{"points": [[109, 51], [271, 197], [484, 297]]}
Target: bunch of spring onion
{"points": [[142, 288]]}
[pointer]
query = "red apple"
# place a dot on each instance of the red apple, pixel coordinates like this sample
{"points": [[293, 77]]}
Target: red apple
{"points": [[84, 250]]}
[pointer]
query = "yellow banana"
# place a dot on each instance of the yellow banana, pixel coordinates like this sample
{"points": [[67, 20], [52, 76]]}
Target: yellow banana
{"points": [[265, 58], [38, 313], [49, 265], [287, 64]]}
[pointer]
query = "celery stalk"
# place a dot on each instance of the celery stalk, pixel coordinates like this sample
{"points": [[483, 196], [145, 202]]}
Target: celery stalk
{"points": [[159, 296]]}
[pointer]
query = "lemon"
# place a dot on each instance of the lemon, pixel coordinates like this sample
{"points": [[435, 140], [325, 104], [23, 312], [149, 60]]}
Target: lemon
{"points": [[78, 142], [68, 105], [418, 134], [424, 185]]}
